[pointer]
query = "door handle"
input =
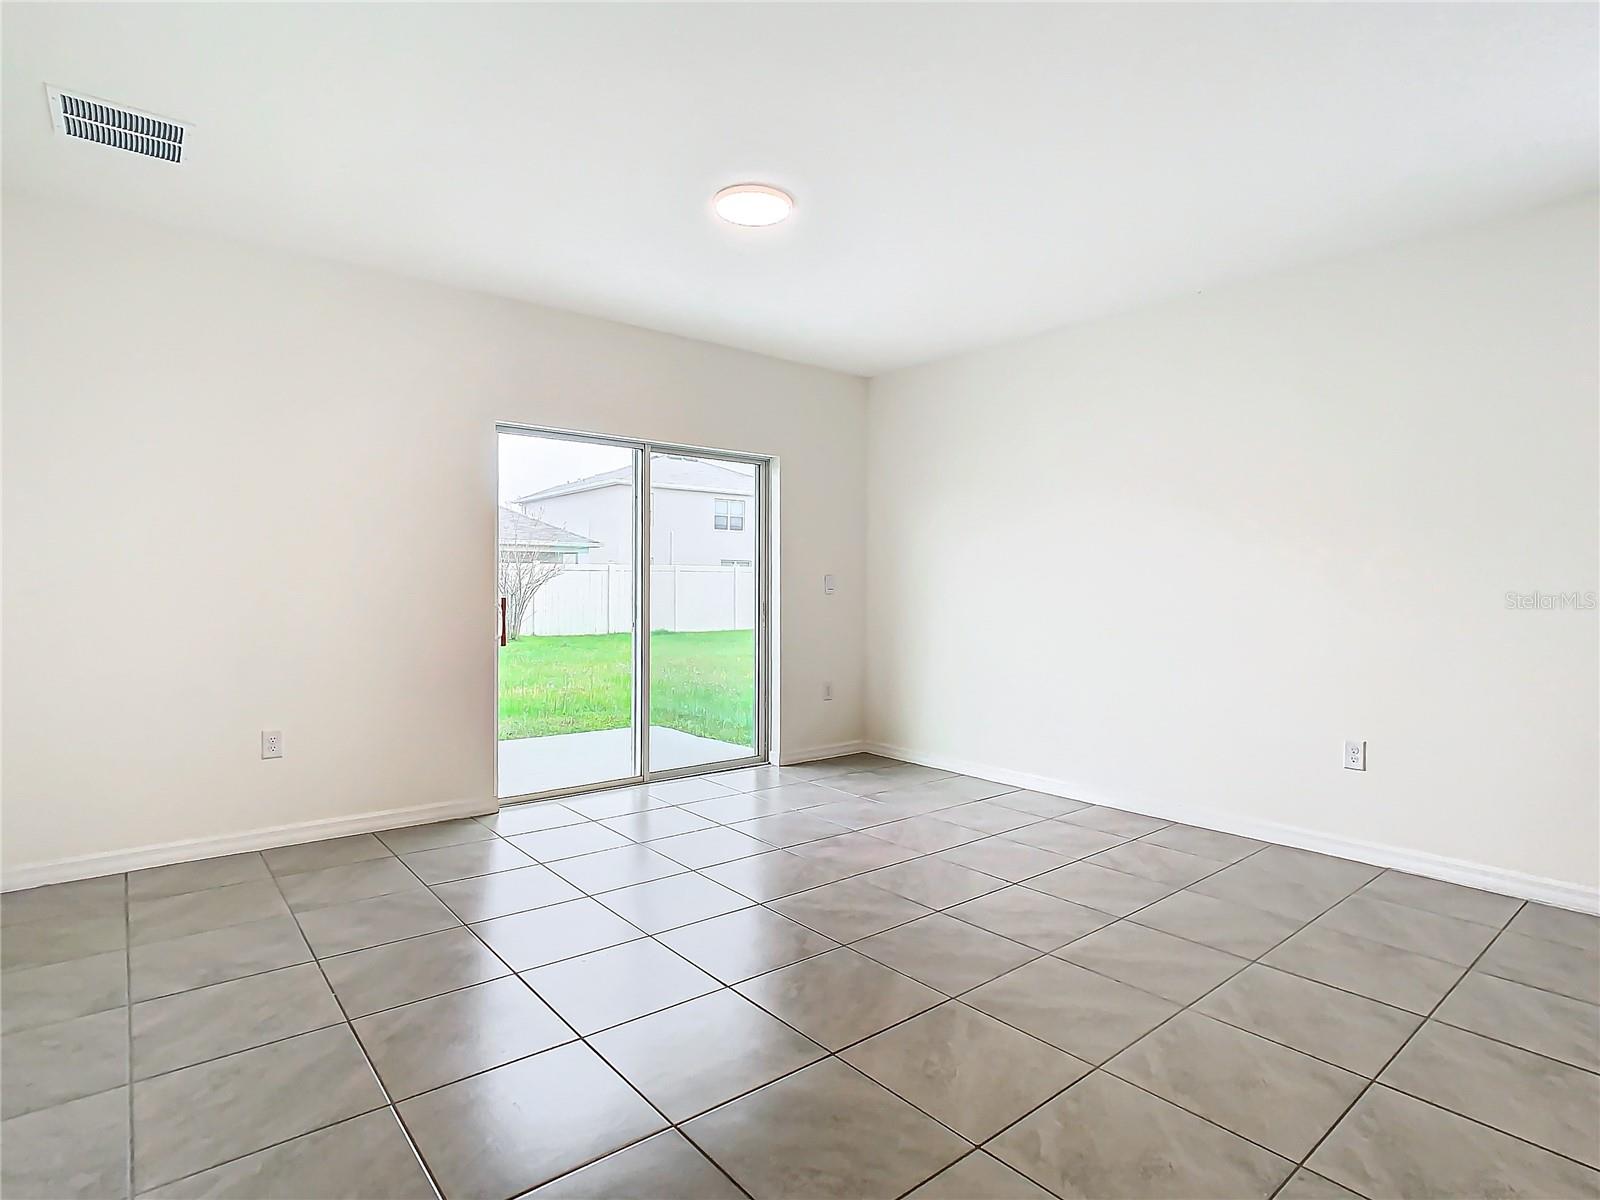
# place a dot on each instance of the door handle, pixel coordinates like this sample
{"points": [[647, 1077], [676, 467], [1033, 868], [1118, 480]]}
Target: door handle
{"points": [[502, 620]]}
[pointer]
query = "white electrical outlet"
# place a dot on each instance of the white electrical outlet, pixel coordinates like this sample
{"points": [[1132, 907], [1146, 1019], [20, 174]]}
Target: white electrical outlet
{"points": [[271, 743], [1355, 756], [827, 691]]}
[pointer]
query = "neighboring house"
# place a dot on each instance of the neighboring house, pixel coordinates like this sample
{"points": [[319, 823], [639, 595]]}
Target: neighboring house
{"points": [[704, 512], [524, 535]]}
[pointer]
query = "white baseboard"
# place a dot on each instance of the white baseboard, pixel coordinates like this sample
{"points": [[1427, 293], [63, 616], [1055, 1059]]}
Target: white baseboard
{"points": [[837, 750], [88, 866], [1556, 892]]}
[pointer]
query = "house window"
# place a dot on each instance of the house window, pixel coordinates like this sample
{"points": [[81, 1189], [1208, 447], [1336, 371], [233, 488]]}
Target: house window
{"points": [[729, 514]]}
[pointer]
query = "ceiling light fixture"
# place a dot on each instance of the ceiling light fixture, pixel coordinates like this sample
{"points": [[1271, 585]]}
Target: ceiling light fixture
{"points": [[752, 204]]}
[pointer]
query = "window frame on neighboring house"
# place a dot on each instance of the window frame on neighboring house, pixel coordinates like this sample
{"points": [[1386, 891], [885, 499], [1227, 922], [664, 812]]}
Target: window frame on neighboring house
{"points": [[724, 515]]}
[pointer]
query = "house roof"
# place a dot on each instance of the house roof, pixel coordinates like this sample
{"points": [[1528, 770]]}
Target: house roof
{"points": [[667, 471], [519, 529]]}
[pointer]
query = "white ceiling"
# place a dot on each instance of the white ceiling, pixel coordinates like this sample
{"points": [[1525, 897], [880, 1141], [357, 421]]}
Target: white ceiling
{"points": [[964, 173]]}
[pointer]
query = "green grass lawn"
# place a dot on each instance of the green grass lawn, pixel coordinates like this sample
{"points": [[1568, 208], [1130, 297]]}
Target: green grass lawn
{"points": [[702, 683]]}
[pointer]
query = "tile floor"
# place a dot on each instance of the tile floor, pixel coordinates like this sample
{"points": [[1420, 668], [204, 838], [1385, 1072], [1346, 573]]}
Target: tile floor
{"points": [[856, 978]]}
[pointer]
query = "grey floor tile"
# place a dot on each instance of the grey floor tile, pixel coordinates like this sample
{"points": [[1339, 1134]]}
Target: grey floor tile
{"points": [[333, 852], [1205, 843], [788, 828], [1545, 1022], [1069, 842], [1041, 804], [445, 863], [855, 813], [926, 834], [161, 918], [1155, 962], [1370, 969], [663, 1167], [1558, 925], [933, 882], [201, 1116], [1114, 820], [742, 944], [198, 876], [753, 779], [215, 956], [1103, 1139], [340, 928], [826, 1131], [945, 953], [677, 900], [839, 997], [769, 876], [1555, 966], [1347, 1030], [553, 845], [1004, 858], [1407, 928], [1087, 1015], [51, 1064], [613, 802], [595, 991], [1274, 889], [80, 899], [849, 909], [498, 1134], [858, 851], [60, 939], [439, 1040], [1307, 864], [546, 935], [965, 1068], [74, 1151], [709, 847], [986, 817], [325, 886], [1527, 1095], [1306, 1185], [363, 1158], [1447, 899], [979, 1175], [1113, 892], [190, 1027], [411, 838], [958, 789], [619, 868], [46, 995], [1030, 917], [1393, 1145], [684, 791], [367, 981], [1275, 1096], [694, 1056], [795, 794], [532, 817], [735, 809], [1158, 863], [656, 823], [1236, 928], [505, 892]]}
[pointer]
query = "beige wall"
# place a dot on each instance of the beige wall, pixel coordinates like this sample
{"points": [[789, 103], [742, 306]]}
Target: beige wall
{"points": [[222, 467], [1243, 526]]}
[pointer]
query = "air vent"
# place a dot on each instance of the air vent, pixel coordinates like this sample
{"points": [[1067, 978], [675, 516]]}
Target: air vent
{"points": [[117, 126]]}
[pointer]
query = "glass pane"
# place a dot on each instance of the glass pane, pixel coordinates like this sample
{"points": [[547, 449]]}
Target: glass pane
{"points": [[702, 613], [566, 576]]}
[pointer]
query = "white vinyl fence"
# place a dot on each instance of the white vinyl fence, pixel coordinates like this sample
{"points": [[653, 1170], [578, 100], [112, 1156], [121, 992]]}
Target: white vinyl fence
{"points": [[599, 599]]}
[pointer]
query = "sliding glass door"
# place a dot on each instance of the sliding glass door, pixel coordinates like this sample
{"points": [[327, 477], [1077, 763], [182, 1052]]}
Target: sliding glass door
{"points": [[632, 591]]}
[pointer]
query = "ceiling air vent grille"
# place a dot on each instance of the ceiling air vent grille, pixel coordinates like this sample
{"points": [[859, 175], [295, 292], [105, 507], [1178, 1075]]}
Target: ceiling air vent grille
{"points": [[117, 126]]}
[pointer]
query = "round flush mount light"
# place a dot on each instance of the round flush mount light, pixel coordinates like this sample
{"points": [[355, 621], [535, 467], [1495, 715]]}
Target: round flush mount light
{"points": [[752, 204]]}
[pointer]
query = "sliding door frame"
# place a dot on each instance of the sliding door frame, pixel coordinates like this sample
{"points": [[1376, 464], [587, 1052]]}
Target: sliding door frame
{"points": [[642, 452]]}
